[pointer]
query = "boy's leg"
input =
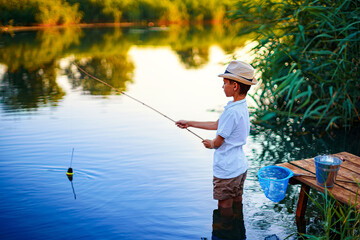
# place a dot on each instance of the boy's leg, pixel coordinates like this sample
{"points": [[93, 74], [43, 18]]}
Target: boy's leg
{"points": [[225, 203], [239, 198], [228, 188], [223, 192]]}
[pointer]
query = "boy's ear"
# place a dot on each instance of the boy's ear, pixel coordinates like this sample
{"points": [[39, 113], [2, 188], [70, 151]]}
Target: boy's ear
{"points": [[237, 86]]}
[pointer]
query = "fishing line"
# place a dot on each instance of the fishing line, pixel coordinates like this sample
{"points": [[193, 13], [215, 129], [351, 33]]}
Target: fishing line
{"points": [[124, 93]]}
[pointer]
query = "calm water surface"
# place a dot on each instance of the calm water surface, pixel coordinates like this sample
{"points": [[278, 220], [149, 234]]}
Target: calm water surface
{"points": [[137, 176]]}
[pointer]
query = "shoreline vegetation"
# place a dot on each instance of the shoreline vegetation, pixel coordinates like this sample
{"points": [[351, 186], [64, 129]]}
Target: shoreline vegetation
{"points": [[158, 24], [81, 25], [17, 14]]}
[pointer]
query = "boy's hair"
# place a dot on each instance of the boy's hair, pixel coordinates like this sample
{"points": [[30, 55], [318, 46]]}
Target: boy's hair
{"points": [[243, 87]]}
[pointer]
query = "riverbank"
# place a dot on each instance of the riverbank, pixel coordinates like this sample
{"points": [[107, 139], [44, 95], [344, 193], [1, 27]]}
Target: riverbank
{"points": [[119, 24], [81, 25]]}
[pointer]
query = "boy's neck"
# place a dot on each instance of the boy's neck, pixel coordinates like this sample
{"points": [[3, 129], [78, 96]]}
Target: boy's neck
{"points": [[238, 97]]}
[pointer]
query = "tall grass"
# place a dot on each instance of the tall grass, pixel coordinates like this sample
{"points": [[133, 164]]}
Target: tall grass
{"points": [[340, 221], [308, 58]]}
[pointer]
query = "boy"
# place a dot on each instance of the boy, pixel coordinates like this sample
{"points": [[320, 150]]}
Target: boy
{"points": [[233, 127]]}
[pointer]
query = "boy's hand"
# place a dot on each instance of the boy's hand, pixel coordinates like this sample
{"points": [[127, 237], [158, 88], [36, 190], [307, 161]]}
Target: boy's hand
{"points": [[215, 143], [208, 143], [182, 124]]}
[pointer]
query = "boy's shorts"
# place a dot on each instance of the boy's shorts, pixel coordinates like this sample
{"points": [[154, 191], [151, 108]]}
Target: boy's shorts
{"points": [[228, 188]]}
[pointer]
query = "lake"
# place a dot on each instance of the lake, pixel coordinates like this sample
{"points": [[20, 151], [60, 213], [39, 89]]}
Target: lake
{"points": [[136, 175]]}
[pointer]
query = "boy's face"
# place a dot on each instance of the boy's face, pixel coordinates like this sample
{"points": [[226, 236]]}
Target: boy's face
{"points": [[229, 88]]}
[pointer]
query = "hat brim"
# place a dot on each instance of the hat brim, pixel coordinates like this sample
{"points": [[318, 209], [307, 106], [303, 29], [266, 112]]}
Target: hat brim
{"points": [[238, 79]]}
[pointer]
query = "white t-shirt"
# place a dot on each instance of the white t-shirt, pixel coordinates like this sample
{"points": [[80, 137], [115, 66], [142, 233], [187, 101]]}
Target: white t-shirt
{"points": [[234, 126]]}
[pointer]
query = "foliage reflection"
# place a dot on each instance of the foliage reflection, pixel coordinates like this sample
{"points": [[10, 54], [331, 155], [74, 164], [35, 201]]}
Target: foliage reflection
{"points": [[115, 70], [28, 89], [32, 59]]}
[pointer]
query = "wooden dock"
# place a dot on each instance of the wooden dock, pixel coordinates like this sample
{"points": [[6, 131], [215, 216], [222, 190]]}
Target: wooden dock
{"points": [[345, 188]]}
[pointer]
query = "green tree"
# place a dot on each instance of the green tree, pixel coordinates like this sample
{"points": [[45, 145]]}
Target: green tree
{"points": [[58, 12], [48, 12]]}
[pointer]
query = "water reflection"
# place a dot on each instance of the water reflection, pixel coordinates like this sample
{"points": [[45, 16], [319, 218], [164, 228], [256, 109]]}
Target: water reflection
{"points": [[194, 57], [31, 59], [115, 70], [71, 177], [23, 88], [288, 143], [228, 224], [34, 50]]}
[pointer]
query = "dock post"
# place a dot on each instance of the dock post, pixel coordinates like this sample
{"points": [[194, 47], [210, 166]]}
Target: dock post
{"points": [[301, 208]]}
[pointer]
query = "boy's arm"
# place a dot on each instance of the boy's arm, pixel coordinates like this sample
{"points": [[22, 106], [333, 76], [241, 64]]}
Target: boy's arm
{"points": [[195, 124], [215, 143]]}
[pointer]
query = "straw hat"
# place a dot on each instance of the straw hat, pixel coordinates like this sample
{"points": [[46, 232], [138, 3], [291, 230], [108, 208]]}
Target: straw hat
{"points": [[240, 72]]}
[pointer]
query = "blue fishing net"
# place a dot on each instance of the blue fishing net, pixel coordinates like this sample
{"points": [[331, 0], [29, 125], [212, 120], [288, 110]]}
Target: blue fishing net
{"points": [[274, 181]]}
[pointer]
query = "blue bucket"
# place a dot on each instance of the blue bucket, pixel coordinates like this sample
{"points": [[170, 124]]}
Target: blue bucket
{"points": [[327, 168], [274, 181]]}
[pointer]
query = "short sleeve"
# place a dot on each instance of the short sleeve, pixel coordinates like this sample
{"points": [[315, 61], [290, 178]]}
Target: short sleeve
{"points": [[226, 125]]}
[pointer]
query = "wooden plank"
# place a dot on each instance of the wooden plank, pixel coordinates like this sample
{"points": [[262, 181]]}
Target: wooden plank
{"points": [[351, 169], [350, 162], [296, 170], [349, 157]]}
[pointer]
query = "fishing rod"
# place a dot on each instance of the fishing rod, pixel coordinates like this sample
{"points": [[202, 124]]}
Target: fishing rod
{"points": [[124, 93]]}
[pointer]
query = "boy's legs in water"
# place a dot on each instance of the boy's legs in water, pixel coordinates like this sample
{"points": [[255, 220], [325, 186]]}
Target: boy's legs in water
{"points": [[229, 202], [226, 206]]}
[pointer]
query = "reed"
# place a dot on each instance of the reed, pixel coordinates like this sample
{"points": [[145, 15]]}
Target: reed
{"points": [[307, 58], [339, 221]]}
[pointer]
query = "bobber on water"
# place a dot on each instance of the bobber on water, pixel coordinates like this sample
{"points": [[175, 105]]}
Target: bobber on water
{"points": [[70, 172]]}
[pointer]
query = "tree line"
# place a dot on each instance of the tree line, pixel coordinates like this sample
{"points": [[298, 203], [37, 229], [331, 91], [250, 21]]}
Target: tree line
{"points": [[59, 12]]}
